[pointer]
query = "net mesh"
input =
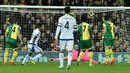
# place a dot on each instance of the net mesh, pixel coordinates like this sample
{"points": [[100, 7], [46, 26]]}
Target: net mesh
{"points": [[28, 18]]}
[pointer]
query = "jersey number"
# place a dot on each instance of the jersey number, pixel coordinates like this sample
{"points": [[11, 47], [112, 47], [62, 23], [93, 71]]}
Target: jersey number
{"points": [[14, 29], [84, 28], [67, 25]]}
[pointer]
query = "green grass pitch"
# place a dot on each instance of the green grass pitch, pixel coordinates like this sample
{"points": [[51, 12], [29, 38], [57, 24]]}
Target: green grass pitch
{"points": [[52, 67]]}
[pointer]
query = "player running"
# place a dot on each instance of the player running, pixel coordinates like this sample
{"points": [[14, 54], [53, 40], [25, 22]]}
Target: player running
{"points": [[85, 40], [11, 35], [33, 47], [108, 36], [66, 25]]}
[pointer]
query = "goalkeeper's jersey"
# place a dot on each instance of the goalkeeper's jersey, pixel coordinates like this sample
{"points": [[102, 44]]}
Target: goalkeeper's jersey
{"points": [[110, 30], [83, 28]]}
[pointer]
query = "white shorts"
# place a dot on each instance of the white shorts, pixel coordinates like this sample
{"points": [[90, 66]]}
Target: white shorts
{"points": [[66, 44], [34, 48]]}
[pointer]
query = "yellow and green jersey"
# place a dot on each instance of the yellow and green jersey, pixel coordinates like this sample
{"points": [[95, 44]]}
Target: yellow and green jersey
{"points": [[83, 28], [13, 31], [110, 30]]}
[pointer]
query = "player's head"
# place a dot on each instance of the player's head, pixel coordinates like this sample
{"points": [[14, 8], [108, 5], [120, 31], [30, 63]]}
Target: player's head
{"points": [[84, 17], [14, 21], [108, 18], [39, 25], [67, 9]]}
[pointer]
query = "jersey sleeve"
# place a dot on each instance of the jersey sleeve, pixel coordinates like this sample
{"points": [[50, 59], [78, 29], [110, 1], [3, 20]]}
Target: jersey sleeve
{"points": [[36, 33], [79, 27], [89, 26], [75, 24], [58, 28], [19, 28], [104, 25], [59, 22]]}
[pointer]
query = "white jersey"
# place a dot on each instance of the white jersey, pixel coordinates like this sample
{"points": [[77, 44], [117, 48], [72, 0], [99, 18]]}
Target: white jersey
{"points": [[67, 24], [36, 33]]}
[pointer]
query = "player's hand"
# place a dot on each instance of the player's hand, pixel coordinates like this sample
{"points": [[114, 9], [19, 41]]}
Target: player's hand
{"points": [[21, 43], [56, 41], [103, 37]]}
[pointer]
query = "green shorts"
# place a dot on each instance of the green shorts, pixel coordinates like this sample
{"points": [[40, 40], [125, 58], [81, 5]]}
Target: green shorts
{"points": [[86, 44], [11, 43], [109, 43]]}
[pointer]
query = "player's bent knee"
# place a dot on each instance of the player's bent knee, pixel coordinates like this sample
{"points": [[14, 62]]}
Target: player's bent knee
{"points": [[30, 54]]}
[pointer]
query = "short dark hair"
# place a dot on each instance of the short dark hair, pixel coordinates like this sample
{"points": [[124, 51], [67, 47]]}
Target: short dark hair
{"points": [[107, 17], [38, 25], [14, 20], [67, 9], [84, 17]]}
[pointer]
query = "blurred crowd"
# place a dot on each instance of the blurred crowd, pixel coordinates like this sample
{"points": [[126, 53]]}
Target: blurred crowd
{"points": [[28, 21], [67, 2]]}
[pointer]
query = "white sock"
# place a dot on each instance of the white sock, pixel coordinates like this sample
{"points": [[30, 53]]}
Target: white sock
{"points": [[61, 57], [25, 59], [37, 56], [69, 58], [30, 58]]}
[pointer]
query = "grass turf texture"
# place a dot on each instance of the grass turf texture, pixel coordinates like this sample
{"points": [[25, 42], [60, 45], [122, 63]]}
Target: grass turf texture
{"points": [[52, 67]]}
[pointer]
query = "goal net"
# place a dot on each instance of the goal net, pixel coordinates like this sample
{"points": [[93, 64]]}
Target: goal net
{"points": [[29, 16]]}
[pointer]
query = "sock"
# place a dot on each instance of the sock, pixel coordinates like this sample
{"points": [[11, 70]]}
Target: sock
{"points": [[90, 57], [69, 58], [61, 57], [80, 55], [5, 56], [107, 54], [111, 54], [25, 59], [14, 56], [37, 56]]}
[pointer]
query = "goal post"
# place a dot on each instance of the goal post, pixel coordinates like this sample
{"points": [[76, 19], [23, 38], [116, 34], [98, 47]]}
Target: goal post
{"points": [[29, 16]]}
